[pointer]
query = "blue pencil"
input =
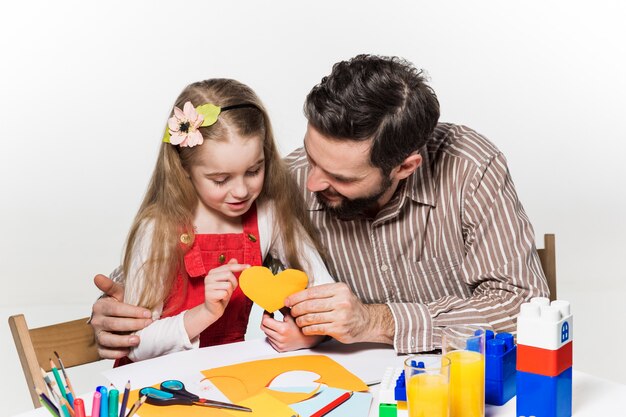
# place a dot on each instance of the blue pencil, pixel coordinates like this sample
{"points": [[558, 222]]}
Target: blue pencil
{"points": [[125, 400]]}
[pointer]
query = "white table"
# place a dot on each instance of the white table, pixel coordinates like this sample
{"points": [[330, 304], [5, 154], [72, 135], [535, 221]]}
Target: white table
{"points": [[592, 397]]}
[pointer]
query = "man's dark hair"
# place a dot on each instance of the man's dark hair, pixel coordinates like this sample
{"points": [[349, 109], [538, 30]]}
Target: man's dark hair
{"points": [[385, 99]]}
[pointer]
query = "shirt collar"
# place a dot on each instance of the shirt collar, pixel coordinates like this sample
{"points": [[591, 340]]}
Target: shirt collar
{"points": [[420, 186]]}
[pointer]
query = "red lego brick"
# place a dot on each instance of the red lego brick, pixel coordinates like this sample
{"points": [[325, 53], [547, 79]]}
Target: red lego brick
{"points": [[545, 362]]}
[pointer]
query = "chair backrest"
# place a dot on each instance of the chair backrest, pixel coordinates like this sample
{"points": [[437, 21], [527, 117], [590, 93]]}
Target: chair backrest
{"points": [[74, 341], [547, 256]]}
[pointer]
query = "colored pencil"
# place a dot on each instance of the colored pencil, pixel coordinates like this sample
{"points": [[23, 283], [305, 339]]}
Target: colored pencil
{"points": [[125, 399], [57, 378], [136, 406], [51, 410], [57, 396], [95, 408], [70, 399], [48, 403], [50, 385], [67, 379], [66, 411], [333, 404]]}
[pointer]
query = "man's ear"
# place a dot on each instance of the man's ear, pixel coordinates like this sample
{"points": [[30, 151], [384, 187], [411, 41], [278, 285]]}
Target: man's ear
{"points": [[407, 167]]}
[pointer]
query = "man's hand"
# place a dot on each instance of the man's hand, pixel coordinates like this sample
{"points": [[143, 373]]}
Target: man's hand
{"points": [[111, 318], [285, 335], [334, 310]]}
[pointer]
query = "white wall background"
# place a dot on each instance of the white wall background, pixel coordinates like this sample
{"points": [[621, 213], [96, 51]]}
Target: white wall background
{"points": [[85, 88]]}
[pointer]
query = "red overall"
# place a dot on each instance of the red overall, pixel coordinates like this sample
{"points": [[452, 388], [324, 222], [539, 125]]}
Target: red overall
{"points": [[208, 252]]}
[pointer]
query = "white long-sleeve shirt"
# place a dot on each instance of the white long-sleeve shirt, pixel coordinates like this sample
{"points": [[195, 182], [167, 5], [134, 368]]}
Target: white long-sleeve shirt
{"points": [[168, 334]]}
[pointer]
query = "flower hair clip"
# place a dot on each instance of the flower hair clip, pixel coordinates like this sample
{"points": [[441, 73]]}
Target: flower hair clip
{"points": [[182, 127]]}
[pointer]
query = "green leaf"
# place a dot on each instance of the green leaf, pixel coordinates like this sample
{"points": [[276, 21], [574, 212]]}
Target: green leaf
{"points": [[166, 135], [210, 113]]}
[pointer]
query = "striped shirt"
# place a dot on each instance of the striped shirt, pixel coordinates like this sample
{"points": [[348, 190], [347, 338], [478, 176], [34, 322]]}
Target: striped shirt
{"points": [[452, 246]]}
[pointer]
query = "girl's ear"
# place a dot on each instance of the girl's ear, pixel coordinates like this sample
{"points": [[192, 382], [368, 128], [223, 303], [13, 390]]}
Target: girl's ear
{"points": [[407, 167]]}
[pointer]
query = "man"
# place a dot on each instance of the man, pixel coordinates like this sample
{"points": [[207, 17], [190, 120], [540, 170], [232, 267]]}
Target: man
{"points": [[420, 219]]}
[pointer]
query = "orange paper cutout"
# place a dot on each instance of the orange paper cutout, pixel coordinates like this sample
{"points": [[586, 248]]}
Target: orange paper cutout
{"points": [[268, 290], [241, 381], [263, 405]]}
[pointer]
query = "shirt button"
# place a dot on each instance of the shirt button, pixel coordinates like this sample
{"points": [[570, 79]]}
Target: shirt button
{"points": [[384, 268]]}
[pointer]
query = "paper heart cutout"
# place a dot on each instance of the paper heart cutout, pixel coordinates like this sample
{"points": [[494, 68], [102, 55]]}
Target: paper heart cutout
{"points": [[268, 290]]}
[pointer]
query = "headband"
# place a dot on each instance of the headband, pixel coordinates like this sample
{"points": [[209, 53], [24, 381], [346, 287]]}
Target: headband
{"points": [[182, 127]]}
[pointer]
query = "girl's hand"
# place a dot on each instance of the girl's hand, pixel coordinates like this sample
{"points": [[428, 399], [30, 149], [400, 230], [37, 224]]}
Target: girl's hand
{"points": [[286, 335], [219, 285]]}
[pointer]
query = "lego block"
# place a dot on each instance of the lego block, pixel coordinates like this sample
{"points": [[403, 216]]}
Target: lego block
{"points": [[500, 356], [400, 388], [392, 393], [392, 410], [386, 393], [544, 396], [387, 410], [543, 361], [499, 392], [545, 326], [500, 364]]}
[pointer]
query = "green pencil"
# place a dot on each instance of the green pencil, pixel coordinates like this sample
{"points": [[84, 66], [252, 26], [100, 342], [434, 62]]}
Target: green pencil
{"points": [[57, 377]]}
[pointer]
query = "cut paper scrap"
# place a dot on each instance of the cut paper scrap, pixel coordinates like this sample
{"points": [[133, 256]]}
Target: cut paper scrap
{"points": [[268, 290], [242, 380], [282, 385], [149, 410], [263, 405], [358, 405]]}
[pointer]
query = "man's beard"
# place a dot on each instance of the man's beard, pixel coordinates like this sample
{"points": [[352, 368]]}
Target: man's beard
{"points": [[350, 209]]}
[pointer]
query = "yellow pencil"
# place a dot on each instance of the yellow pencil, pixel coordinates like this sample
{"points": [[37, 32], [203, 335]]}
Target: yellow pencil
{"points": [[136, 406]]}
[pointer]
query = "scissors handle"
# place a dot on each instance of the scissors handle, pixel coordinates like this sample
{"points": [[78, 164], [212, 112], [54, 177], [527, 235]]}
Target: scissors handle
{"points": [[176, 387], [159, 397], [173, 392]]}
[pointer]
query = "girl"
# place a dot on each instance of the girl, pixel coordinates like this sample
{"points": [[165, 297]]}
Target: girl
{"points": [[220, 200]]}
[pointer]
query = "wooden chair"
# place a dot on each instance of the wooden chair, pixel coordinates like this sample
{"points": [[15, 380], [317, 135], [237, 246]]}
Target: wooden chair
{"points": [[74, 341], [547, 256]]}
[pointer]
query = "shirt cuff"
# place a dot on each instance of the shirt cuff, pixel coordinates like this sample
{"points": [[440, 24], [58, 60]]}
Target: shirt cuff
{"points": [[164, 336], [413, 327]]}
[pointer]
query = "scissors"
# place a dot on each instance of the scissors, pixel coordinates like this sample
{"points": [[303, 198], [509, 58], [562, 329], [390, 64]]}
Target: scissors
{"points": [[173, 392]]}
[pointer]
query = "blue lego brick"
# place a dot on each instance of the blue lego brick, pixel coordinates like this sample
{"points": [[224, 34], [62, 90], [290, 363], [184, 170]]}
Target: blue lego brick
{"points": [[500, 363], [544, 396], [500, 357], [400, 389], [499, 392]]}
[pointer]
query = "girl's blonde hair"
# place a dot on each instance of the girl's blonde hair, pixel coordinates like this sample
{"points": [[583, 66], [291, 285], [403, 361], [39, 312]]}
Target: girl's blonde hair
{"points": [[171, 199]]}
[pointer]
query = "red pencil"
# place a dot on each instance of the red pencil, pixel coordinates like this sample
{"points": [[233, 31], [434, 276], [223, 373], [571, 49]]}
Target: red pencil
{"points": [[333, 404]]}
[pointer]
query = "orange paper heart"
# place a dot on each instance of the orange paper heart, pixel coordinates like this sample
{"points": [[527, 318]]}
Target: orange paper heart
{"points": [[268, 290]]}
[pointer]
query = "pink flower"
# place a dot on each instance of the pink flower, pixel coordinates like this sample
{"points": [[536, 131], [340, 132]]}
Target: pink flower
{"points": [[183, 126]]}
